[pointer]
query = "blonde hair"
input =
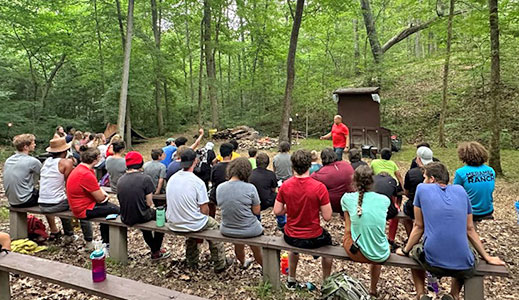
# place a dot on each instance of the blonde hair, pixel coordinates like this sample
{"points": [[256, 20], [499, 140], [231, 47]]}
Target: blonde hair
{"points": [[315, 157], [115, 138], [22, 140]]}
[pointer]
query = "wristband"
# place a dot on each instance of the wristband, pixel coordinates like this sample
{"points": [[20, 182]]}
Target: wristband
{"points": [[406, 253]]}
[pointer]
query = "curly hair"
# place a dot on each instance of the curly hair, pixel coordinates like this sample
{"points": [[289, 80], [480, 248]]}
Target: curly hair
{"points": [[363, 180], [240, 168], [301, 161], [472, 153]]}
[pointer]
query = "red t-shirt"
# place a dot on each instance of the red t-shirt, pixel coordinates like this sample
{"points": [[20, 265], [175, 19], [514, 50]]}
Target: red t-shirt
{"points": [[303, 198], [339, 133], [80, 184], [338, 179]]}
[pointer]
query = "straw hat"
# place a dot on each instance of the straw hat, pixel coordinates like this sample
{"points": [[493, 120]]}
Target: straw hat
{"points": [[58, 145]]}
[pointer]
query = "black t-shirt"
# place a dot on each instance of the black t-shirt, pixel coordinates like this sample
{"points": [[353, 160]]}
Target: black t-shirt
{"points": [[218, 175], [203, 169], [415, 165], [357, 164], [385, 185], [132, 189], [412, 179], [265, 181]]}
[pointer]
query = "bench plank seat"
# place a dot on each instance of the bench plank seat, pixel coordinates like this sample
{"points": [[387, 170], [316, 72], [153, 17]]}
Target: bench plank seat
{"points": [[80, 279]]}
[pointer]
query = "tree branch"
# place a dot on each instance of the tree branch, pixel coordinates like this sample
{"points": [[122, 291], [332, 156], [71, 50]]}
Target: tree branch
{"points": [[407, 32]]}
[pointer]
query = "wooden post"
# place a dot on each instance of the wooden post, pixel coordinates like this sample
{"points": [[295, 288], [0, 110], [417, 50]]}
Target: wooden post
{"points": [[271, 267], [474, 288], [18, 225], [119, 244], [5, 290]]}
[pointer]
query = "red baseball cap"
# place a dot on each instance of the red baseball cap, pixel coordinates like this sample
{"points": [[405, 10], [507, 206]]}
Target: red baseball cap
{"points": [[133, 158]]}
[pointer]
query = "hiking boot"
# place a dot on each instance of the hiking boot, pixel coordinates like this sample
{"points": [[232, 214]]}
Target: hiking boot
{"points": [[228, 263], [69, 239], [161, 254]]}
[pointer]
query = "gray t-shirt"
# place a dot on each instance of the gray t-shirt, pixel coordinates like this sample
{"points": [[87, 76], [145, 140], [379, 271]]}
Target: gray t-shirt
{"points": [[20, 173], [236, 199], [116, 168], [156, 170], [282, 166]]}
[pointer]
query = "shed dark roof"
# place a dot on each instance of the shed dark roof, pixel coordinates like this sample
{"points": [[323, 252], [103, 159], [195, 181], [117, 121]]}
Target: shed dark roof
{"points": [[356, 91]]}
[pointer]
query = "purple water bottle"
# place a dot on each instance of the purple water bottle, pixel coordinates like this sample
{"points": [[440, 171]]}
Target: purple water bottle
{"points": [[98, 262]]}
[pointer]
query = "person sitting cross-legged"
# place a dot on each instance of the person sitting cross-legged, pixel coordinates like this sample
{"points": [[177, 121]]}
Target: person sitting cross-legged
{"points": [[443, 213], [365, 224], [187, 211], [303, 199], [240, 204], [135, 193], [53, 197], [86, 199]]}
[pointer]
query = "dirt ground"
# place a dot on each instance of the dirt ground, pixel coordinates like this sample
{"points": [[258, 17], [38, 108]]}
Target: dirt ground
{"points": [[500, 237]]}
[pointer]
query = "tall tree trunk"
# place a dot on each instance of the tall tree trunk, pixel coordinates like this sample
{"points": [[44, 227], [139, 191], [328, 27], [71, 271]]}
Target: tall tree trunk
{"points": [[371, 31], [190, 55], [287, 101], [101, 60], [200, 75], [495, 85], [158, 61], [239, 81], [126, 70], [128, 131], [443, 112], [356, 54], [210, 65]]}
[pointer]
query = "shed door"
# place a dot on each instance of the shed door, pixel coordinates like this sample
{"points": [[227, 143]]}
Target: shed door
{"points": [[372, 137], [356, 137]]}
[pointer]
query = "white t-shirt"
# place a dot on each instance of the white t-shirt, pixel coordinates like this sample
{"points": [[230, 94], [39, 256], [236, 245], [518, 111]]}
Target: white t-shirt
{"points": [[185, 192]]}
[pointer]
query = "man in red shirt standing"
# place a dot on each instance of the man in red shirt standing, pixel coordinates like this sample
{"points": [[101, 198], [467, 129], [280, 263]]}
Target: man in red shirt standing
{"points": [[340, 135], [302, 198]]}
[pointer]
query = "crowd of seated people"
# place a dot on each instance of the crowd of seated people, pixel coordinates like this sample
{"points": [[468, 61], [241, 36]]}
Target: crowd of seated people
{"points": [[301, 192]]}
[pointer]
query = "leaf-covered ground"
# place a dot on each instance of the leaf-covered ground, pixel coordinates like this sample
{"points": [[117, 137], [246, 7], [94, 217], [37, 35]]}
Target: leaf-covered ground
{"points": [[499, 237]]}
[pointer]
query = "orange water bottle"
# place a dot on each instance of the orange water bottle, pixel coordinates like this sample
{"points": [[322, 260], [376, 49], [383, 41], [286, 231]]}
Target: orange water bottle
{"points": [[284, 263]]}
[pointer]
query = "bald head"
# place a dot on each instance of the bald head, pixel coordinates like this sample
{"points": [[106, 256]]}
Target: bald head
{"points": [[337, 119]]}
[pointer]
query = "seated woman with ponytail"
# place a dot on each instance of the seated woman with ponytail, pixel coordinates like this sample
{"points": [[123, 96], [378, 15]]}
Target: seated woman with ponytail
{"points": [[365, 212]]}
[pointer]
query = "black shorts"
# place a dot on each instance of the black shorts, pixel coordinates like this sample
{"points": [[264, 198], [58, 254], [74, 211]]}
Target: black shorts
{"points": [[409, 209], [479, 218], [324, 239]]}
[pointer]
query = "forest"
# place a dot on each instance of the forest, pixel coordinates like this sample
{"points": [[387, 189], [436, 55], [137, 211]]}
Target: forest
{"points": [[221, 63]]}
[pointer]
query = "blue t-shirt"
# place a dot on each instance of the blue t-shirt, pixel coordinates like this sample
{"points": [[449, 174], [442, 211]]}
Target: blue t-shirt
{"points": [[169, 151], [173, 168], [479, 182], [445, 211]]}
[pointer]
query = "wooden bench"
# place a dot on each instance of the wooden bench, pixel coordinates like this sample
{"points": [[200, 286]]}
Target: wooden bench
{"points": [[271, 246], [79, 279]]}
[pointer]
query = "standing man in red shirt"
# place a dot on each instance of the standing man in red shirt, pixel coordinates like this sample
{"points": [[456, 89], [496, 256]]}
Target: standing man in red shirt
{"points": [[303, 199], [340, 135]]}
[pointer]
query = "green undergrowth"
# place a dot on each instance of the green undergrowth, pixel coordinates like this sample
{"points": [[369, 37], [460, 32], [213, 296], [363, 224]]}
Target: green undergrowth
{"points": [[4, 214]]}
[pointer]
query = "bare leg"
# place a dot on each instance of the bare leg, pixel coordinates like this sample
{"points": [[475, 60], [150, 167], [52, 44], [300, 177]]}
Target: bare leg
{"points": [[326, 263], [292, 264], [419, 282], [52, 224], [456, 288], [239, 251], [258, 256], [408, 224], [375, 271]]}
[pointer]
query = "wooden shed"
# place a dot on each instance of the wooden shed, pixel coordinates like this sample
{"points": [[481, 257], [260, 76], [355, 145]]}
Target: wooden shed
{"points": [[360, 111]]}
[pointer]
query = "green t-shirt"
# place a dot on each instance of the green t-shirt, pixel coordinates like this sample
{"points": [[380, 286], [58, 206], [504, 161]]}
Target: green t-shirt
{"points": [[382, 165], [371, 225], [253, 162]]}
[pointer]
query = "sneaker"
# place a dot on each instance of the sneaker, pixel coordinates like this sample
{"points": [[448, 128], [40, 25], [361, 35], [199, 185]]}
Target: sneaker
{"points": [[294, 285], [228, 263], [248, 262], [161, 254], [69, 239]]}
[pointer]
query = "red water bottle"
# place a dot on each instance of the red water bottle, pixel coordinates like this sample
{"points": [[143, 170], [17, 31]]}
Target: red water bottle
{"points": [[284, 264], [98, 262]]}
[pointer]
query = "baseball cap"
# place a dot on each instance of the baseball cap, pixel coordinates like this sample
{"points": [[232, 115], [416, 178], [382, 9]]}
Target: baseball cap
{"points": [[133, 158], [425, 154], [169, 141], [187, 158]]}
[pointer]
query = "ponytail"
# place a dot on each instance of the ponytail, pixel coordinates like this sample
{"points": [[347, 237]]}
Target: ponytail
{"points": [[363, 179]]}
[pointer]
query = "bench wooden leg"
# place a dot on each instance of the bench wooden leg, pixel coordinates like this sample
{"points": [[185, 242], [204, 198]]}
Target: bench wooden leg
{"points": [[5, 290], [271, 267], [119, 244], [18, 225], [474, 288]]}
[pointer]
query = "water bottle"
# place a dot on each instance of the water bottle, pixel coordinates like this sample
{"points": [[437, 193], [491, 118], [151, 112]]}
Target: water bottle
{"points": [[98, 262], [284, 263], [432, 283], [517, 210], [161, 216]]}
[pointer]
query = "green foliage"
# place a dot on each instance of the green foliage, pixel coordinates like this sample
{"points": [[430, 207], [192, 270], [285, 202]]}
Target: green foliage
{"points": [[4, 214]]}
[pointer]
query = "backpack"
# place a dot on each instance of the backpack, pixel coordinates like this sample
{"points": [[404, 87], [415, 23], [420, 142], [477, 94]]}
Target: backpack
{"points": [[105, 180], [340, 286], [36, 229]]}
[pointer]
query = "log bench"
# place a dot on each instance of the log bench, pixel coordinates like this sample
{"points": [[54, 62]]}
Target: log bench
{"points": [[80, 279], [271, 246]]}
